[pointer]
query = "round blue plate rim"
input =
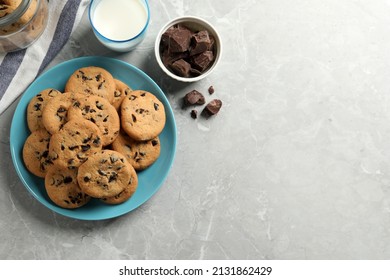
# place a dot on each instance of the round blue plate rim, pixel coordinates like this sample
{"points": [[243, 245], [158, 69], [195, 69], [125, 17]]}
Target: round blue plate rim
{"points": [[150, 180]]}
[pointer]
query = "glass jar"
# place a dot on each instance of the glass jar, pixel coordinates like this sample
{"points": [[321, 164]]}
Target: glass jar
{"points": [[21, 23]]}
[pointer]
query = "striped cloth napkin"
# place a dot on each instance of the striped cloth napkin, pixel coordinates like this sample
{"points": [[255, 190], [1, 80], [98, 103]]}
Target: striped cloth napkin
{"points": [[19, 69]]}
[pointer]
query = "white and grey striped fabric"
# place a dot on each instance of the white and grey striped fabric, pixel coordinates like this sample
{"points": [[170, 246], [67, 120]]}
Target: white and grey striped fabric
{"points": [[19, 69]]}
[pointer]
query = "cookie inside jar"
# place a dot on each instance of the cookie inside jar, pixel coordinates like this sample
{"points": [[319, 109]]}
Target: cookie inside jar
{"points": [[21, 23]]}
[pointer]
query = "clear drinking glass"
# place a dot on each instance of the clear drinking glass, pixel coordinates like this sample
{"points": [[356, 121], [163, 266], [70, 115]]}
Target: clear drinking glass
{"points": [[112, 20]]}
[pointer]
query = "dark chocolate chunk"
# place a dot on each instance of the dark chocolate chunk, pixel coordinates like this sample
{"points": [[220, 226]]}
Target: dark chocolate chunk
{"points": [[200, 42], [45, 154], [68, 180], [165, 37], [211, 89], [96, 141], [181, 68], [99, 105], [102, 173], [85, 148], [113, 177], [168, 58], [213, 107], [117, 93], [194, 97], [140, 111], [37, 106], [72, 147], [195, 72], [177, 39], [203, 60], [194, 114], [61, 110], [113, 158]]}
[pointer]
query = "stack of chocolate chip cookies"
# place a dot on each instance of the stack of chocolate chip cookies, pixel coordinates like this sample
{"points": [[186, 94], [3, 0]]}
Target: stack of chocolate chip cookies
{"points": [[90, 140]]}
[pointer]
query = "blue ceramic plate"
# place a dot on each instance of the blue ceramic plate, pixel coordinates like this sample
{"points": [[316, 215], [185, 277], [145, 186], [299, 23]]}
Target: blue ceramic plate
{"points": [[150, 180]]}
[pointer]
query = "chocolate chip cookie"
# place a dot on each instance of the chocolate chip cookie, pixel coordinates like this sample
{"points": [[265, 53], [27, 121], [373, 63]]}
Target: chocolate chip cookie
{"points": [[36, 152], [104, 174], [92, 80], [140, 154], [63, 189], [99, 111], [55, 112], [142, 115], [74, 143], [36, 106], [127, 192]]}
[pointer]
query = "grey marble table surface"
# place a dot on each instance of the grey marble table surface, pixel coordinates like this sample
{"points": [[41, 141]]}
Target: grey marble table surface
{"points": [[296, 165]]}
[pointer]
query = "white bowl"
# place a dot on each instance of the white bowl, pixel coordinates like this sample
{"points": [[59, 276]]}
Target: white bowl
{"points": [[194, 24]]}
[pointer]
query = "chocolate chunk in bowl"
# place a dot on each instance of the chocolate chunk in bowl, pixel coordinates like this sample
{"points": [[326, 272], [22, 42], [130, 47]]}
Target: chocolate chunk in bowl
{"points": [[181, 67], [188, 48], [176, 39], [201, 41]]}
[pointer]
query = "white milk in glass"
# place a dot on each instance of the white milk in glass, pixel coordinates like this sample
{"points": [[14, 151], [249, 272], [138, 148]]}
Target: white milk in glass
{"points": [[119, 19]]}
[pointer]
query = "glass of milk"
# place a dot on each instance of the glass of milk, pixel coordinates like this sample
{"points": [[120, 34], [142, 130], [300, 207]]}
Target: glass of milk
{"points": [[119, 24]]}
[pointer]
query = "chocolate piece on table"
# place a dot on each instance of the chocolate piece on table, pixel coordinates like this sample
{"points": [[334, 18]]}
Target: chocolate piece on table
{"points": [[181, 68], [203, 60], [211, 89], [200, 42], [213, 107], [194, 97], [194, 114]]}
